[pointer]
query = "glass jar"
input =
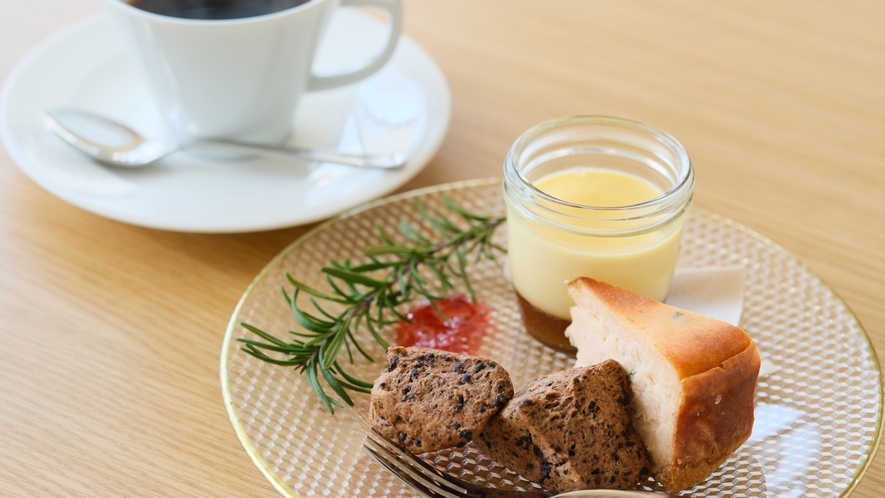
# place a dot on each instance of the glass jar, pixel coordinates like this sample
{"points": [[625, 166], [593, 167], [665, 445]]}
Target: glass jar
{"points": [[552, 241]]}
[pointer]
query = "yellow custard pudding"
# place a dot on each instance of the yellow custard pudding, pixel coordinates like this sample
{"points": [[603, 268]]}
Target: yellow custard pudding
{"points": [[592, 197]]}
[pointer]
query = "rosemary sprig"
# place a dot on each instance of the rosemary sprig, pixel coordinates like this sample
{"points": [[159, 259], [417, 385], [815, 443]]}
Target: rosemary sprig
{"points": [[372, 294]]}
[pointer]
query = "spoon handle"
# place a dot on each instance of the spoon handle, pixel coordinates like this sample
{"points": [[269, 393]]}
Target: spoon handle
{"points": [[383, 161]]}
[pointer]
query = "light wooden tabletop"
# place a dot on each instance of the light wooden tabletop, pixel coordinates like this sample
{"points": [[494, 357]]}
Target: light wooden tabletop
{"points": [[111, 333]]}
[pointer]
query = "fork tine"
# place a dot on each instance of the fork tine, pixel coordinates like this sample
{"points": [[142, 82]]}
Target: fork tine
{"points": [[418, 481], [404, 462], [408, 462], [429, 470], [413, 471]]}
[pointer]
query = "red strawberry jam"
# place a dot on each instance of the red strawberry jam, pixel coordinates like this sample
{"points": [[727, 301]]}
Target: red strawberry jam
{"points": [[462, 330]]}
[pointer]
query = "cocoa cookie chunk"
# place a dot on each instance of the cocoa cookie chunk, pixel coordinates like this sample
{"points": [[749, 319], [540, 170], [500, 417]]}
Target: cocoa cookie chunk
{"points": [[570, 430], [428, 400]]}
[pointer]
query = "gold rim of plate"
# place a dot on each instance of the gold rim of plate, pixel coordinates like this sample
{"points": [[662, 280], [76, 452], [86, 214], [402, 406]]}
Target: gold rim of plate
{"points": [[471, 463]]}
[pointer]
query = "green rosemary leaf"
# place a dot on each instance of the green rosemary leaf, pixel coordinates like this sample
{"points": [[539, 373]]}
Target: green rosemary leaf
{"points": [[374, 266], [394, 250], [268, 347], [313, 292], [315, 385], [374, 331], [353, 387], [264, 335], [444, 283], [302, 334], [415, 273], [311, 323], [467, 215], [263, 357], [347, 344], [336, 386], [331, 350], [372, 295], [322, 311], [306, 320], [336, 289], [411, 234], [462, 265], [356, 344], [351, 379], [443, 227], [383, 236], [352, 277], [445, 223]]}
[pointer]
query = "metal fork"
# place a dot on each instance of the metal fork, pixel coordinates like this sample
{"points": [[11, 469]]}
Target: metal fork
{"points": [[432, 482]]}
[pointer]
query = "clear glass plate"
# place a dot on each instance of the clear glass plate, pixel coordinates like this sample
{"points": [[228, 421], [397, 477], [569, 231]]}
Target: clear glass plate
{"points": [[818, 415]]}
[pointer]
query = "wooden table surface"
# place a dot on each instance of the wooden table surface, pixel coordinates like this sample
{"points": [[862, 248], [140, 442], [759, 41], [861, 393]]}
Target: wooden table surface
{"points": [[111, 333]]}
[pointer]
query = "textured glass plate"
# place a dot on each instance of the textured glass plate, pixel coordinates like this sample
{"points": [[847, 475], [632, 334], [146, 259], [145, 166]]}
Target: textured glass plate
{"points": [[818, 415]]}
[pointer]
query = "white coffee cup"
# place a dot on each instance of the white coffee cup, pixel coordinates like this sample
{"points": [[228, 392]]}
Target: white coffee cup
{"points": [[238, 78]]}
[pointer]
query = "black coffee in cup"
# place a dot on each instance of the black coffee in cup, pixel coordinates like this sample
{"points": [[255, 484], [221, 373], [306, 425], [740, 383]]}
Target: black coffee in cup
{"points": [[214, 9]]}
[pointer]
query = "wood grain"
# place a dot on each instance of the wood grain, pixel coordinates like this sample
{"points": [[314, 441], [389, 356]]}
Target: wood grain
{"points": [[111, 333]]}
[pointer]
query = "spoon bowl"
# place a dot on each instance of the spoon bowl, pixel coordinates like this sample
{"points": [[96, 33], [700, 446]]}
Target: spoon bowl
{"points": [[116, 144]]}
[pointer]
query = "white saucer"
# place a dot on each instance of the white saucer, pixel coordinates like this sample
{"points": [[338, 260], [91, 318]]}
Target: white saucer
{"points": [[405, 106]]}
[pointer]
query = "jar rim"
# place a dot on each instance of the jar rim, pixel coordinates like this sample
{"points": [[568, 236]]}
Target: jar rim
{"points": [[684, 182]]}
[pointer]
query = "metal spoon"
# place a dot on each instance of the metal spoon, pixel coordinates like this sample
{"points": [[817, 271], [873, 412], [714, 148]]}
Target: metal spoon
{"points": [[116, 144]]}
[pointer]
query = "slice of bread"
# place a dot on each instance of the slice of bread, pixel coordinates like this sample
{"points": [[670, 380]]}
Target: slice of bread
{"points": [[570, 430], [428, 400], [693, 377]]}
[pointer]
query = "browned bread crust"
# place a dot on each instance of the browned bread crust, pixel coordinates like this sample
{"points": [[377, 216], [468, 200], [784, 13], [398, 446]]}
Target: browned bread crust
{"points": [[715, 419], [570, 430], [692, 343], [428, 400], [716, 364]]}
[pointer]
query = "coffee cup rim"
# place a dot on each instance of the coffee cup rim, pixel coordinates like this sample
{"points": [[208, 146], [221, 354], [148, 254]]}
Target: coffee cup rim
{"points": [[127, 7]]}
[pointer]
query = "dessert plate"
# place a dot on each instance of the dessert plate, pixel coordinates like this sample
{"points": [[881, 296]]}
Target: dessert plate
{"points": [[819, 404], [404, 107]]}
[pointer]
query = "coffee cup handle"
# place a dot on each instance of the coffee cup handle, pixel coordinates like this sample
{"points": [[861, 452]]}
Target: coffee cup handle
{"points": [[394, 7]]}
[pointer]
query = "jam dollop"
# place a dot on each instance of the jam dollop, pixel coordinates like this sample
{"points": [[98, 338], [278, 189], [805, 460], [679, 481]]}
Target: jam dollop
{"points": [[466, 323]]}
